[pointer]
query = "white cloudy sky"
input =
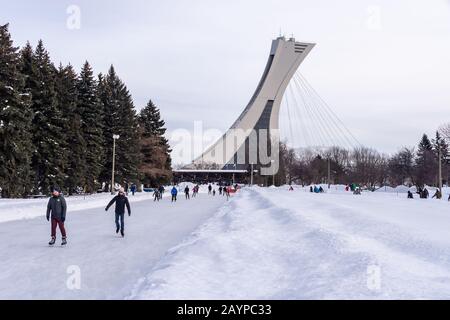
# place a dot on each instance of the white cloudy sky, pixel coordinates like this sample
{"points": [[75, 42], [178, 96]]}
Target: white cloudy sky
{"points": [[201, 60]]}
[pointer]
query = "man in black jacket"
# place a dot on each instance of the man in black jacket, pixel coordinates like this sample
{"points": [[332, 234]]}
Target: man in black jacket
{"points": [[56, 210], [121, 201]]}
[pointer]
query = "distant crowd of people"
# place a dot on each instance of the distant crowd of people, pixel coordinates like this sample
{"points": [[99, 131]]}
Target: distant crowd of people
{"points": [[425, 194]]}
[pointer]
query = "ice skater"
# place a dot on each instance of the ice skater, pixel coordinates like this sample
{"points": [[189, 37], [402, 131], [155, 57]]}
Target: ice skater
{"points": [[156, 195], [121, 201], [56, 211], [186, 192], [133, 189], [174, 193]]}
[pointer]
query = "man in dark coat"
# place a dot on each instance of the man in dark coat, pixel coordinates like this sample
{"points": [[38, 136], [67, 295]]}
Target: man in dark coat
{"points": [[56, 211], [121, 201]]}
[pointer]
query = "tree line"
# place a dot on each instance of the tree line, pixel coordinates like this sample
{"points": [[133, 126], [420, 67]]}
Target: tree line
{"points": [[57, 126], [366, 166]]}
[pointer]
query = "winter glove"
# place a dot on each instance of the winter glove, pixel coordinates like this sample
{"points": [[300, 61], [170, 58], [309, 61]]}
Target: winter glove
{"points": [[106, 209], [129, 214], [48, 218], [63, 220]]}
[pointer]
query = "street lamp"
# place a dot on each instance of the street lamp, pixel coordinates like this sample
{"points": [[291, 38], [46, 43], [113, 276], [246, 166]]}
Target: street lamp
{"points": [[273, 172], [115, 137], [251, 175]]}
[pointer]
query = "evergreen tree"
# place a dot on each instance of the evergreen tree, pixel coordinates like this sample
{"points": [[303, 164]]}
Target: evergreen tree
{"points": [[425, 164], [74, 145], [439, 143], [91, 111], [154, 148], [15, 120], [120, 119], [48, 159]]}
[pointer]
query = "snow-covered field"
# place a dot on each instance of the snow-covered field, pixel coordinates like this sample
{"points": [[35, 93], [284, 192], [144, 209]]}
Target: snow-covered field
{"points": [[266, 243], [275, 244]]}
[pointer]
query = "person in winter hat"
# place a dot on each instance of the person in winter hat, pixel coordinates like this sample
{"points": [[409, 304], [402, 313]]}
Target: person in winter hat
{"points": [[56, 213], [121, 201]]}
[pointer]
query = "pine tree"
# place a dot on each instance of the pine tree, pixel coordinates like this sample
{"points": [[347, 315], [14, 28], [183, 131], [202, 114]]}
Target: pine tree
{"points": [[74, 145], [425, 164], [91, 111], [120, 119], [15, 120], [155, 151], [48, 159], [439, 143]]}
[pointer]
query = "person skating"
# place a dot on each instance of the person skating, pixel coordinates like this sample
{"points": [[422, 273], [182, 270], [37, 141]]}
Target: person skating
{"points": [[214, 192], [209, 189], [156, 195], [56, 211], [161, 192], [220, 190], [133, 189], [410, 195], [186, 192], [121, 201], [126, 188], [228, 192], [174, 193], [195, 191]]}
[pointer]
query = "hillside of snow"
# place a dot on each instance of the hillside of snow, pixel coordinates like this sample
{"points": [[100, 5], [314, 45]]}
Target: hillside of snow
{"points": [[270, 243]]}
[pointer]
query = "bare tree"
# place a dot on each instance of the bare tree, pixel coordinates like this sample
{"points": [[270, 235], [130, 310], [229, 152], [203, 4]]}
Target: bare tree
{"points": [[401, 166], [445, 131]]}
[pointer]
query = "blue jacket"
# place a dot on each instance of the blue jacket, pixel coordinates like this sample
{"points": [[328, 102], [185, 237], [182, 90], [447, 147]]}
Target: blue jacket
{"points": [[174, 191]]}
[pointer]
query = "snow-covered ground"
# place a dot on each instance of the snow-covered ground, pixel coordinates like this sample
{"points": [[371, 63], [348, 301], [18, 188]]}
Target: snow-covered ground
{"points": [[266, 243], [275, 244]]}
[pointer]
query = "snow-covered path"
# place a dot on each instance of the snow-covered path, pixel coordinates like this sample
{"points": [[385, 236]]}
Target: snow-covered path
{"points": [[110, 266], [276, 244]]}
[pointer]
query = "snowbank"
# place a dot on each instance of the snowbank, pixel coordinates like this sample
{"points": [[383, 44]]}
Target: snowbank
{"points": [[276, 244]]}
